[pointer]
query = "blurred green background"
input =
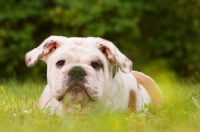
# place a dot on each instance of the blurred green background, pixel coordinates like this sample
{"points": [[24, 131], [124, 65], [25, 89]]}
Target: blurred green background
{"points": [[164, 34]]}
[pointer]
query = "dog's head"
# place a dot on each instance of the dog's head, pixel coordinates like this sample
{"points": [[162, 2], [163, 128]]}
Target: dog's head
{"points": [[78, 69]]}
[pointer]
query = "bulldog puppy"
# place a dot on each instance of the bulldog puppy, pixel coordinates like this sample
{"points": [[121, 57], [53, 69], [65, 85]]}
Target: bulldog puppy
{"points": [[91, 72]]}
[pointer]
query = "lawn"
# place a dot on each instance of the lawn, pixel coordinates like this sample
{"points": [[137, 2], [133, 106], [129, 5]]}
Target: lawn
{"points": [[180, 112]]}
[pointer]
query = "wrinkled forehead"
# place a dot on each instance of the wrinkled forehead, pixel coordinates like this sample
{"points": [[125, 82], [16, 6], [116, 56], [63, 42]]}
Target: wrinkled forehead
{"points": [[78, 48], [89, 41], [80, 45]]}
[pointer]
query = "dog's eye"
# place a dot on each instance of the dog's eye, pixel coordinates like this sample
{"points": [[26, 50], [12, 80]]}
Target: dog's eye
{"points": [[96, 65], [60, 63]]}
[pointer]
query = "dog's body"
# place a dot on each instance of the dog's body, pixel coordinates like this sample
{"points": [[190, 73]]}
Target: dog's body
{"points": [[85, 71]]}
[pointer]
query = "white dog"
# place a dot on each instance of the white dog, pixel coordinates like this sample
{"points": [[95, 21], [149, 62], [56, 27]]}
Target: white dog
{"points": [[91, 72]]}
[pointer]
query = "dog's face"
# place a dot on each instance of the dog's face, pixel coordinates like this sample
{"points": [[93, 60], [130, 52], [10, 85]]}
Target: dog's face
{"points": [[77, 72], [78, 69]]}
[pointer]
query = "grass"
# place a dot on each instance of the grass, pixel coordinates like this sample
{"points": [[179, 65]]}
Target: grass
{"points": [[180, 112]]}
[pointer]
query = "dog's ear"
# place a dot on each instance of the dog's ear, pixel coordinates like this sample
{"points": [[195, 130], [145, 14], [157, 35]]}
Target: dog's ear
{"points": [[43, 50], [115, 56]]}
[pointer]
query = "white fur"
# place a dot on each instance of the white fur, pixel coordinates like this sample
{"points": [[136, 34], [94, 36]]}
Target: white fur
{"points": [[113, 93], [115, 96]]}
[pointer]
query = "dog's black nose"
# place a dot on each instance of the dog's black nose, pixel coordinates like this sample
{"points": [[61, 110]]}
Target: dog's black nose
{"points": [[77, 72]]}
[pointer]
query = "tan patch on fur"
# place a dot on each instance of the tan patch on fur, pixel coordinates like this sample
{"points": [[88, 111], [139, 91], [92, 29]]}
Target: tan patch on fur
{"points": [[124, 65], [151, 87], [127, 60], [132, 100], [28, 60]]}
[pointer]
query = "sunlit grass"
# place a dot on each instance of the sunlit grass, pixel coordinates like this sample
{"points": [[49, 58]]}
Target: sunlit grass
{"points": [[180, 111]]}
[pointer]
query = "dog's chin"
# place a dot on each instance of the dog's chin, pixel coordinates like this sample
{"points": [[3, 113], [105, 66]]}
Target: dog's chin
{"points": [[76, 95]]}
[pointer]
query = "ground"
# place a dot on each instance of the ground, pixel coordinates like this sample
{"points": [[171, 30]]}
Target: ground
{"points": [[180, 111]]}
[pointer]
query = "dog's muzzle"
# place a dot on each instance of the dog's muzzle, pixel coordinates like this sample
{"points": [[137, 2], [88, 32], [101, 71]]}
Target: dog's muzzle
{"points": [[76, 82]]}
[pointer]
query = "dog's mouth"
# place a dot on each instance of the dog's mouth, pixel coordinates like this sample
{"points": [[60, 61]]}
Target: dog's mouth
{"points": [[76, 94]]}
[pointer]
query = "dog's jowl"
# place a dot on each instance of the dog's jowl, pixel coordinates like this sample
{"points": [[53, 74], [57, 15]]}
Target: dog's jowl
{"points": [[91, 72]]}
